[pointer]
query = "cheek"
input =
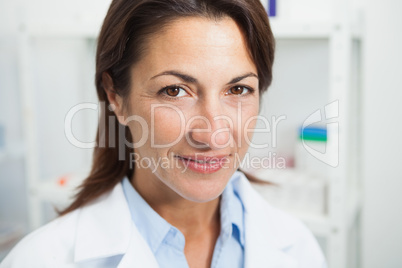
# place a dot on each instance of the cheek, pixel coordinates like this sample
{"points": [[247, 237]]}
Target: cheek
{"points": [[245, 128], [156, 126], [167, 125]]}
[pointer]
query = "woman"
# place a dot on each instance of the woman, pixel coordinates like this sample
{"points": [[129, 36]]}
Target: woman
{"points": [[184, 80]]}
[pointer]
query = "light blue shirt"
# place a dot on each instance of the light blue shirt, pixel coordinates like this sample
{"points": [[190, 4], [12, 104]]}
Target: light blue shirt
{"points": [[167, 242]]}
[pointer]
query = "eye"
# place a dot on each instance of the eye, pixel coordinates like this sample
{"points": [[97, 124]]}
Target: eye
{"points": [[174, 91], [240, 90]]}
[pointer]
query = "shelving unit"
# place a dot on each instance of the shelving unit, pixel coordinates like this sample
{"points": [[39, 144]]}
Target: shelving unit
{"points": [[339, 225], [342, 40], [47, 189]]}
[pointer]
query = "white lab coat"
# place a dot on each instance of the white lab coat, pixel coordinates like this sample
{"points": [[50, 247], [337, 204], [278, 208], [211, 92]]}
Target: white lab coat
{"points": [[102, 234]]}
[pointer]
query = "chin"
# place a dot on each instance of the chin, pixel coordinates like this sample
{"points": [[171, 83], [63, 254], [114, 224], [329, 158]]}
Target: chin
{"points": [[200, 196], [201, 188]]}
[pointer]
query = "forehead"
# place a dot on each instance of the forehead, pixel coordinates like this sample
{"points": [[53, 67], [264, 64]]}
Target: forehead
{"points": [[198, 45]]}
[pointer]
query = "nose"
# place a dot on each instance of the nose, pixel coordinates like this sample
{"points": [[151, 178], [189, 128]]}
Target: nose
{"points": [[210, 127]]}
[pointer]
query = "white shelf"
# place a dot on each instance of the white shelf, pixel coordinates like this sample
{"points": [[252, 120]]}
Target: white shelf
{"points": [[58, 191], [301, 30], [53, 193]]}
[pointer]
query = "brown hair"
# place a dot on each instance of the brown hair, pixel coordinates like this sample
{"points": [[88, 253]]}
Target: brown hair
{"points": [[122, 42]]}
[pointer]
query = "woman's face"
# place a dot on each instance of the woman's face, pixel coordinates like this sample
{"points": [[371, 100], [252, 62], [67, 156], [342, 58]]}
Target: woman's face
{"points": [[193, 96]]}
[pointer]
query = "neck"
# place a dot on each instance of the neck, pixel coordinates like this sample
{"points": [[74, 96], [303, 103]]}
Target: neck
{"points": [[193, 219]]}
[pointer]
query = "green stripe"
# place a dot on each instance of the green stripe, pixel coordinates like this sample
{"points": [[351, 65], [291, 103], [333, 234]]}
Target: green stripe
{"points": [[313, 137]]}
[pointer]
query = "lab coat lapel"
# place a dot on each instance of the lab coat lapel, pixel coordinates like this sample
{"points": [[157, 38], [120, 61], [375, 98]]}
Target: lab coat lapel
{"points": [[264, 245], [138, 253], [105, 229]]}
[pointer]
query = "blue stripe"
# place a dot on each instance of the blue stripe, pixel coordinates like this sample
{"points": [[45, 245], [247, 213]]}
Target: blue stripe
{"points": [[313, 131], [272, 8]]}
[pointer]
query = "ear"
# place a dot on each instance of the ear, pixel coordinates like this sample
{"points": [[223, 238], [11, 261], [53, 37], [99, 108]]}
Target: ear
{"points": [[116, 102]]}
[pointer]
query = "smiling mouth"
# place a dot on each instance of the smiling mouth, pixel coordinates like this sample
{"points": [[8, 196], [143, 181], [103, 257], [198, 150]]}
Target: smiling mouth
{"points": [[198, 161], [203, 159], [203, 164]]}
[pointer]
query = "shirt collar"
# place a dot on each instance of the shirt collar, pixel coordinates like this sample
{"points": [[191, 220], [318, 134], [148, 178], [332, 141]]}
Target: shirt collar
{"points": [[155, 229], [149, 223], [232, 214]]}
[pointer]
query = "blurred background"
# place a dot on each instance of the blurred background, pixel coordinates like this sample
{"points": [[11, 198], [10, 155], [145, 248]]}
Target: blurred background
{"points": [[334, 142]]}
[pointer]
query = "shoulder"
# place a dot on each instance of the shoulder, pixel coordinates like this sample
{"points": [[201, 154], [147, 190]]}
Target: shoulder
{"points": [[94, 232], [303, 244], [278, 229], [48, 246]]}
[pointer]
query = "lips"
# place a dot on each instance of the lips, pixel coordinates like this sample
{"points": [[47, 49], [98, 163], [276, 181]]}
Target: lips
{"points": [[203, 164], [203, 159]]}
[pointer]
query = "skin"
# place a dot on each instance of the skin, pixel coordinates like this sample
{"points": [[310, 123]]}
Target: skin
{"points": [[212, 52]]}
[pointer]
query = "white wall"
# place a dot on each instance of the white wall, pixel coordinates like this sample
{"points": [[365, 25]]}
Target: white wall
{"points": [[382, 132], [12, 174], [62, 74]]}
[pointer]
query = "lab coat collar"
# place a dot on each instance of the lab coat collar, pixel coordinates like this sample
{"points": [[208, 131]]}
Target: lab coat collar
{"points": [[97, 235], [266, 244], [105, 229]]}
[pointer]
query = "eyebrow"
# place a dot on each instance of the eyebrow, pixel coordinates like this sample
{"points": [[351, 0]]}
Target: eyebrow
{"points": [[189, 79], [184, 77], [239, 78]]}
